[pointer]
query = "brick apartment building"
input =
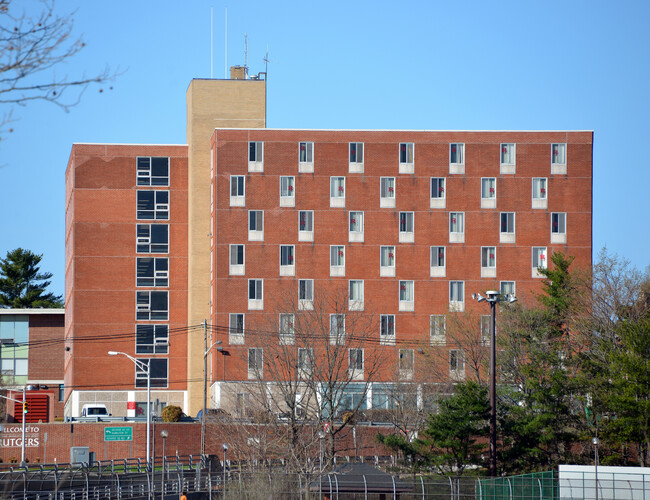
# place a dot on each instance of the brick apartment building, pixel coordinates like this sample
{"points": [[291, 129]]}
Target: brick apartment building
{"points": [[244, 228]]}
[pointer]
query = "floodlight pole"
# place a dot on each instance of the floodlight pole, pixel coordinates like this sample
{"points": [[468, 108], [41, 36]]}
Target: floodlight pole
{"points": [[205, 381], [22, 409]]}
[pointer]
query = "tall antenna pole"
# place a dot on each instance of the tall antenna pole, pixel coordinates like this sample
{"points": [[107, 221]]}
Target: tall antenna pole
{"points": [[225, 69], [211, 42], [246, 53]]}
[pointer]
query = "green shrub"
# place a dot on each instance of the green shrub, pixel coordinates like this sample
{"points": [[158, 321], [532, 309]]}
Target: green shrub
{"points": [[172, 413]]}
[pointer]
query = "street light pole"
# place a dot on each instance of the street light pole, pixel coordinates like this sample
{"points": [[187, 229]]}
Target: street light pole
{"points": [[147, 368], [164, 435], [493, 297], [205, 381]]}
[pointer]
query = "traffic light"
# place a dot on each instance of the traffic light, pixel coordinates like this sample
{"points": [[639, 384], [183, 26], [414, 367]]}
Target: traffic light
{"points": [[25, 407]]}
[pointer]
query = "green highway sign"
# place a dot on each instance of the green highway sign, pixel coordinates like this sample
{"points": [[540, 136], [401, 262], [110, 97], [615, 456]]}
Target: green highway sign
{"points": [[118, 433]]}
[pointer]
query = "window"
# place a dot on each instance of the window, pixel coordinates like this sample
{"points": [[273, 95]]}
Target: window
{"points": [[306, 225], [151, 339], [356, 295], [237, 260], [237, 191], [337, 191], [152, 271], [539, 261], [152, 306], [305, 361], [153, 171], [508, 157], [456, 364], [306, 157], [153, 205], [152, 238], [484, 324], [356, 157], [387, 329], [236, 329], [437, 265], [558, 154], [256, 156], [507, 288], [61, 393], [488, 262], [457, 158], [406, 295], [558, 227], [438, 195], [406, 233], [287, 195], [306, 294], [243, 405], [457, 296], [256, 294], [255, 225], [387, 192], [507, 227], [287, 332], [355, 364], [356, 226], [438, 329], [287, 260], [337, 329], [406, 165], [387, 261], [539, 193], [488, 192], [406, 364], [255, 363], [158, 368], [337, 260], [456, 227]]}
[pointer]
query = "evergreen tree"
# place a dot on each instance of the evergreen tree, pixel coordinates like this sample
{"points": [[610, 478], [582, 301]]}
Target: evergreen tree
{"points": [[22, 285]]}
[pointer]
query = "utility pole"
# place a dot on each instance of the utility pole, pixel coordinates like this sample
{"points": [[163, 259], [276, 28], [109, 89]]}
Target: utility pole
{"points": [[205, 383]]}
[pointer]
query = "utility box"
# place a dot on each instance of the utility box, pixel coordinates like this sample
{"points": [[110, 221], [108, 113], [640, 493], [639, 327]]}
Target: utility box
{"points": [[79, 454]]}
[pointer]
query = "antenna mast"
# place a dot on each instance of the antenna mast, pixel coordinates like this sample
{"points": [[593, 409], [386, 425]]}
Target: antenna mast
{"points": [[225, 69], [246, 54]]}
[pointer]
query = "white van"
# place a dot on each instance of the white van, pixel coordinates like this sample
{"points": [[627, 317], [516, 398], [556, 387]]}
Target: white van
{"points": [[95, 410]]}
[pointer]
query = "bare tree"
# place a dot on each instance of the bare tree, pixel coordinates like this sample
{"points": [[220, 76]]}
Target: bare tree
{"points": [[32, 47]]}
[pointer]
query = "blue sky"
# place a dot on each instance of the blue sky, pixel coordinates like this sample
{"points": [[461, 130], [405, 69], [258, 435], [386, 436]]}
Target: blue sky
{"points": [[476, 65]]}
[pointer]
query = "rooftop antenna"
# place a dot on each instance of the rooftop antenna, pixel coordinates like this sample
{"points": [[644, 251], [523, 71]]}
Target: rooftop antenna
{"points": [[225, 69], [211, 42], [266, 63], [246, 55]]}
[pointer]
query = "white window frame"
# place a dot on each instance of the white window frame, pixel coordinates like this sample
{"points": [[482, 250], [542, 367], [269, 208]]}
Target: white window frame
{"points": [[355, 372], [337, 336], [306, 304], [539, 192], [356, 166], [286, 328], [288, 266], [508, 283], [437, 192], [256, 368], [337, 269], [488, 192], [507, 236], [160, 209], [287, 193], [406, 303], [387, 270], [355, 229], [438, 329], [160, 277], [454, 303], [306, 166], [236, 269], [488, 262], [235, 336], [484, 327], [256, 234], [558, 227], [145, 176], [457, 236], [355, 303], [337, 191], [539, 259], [305, 225], [457, 364], [457, 166], [305, 369], [239, 198], [143, 311], [558, 158], [437, 270], [256, 159], [387, 192], [256, 303], [141, 374], [406, 236], [387, 329], [406, 166], [159, 339], [143, 240], [508, 157], [407, 367]]}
